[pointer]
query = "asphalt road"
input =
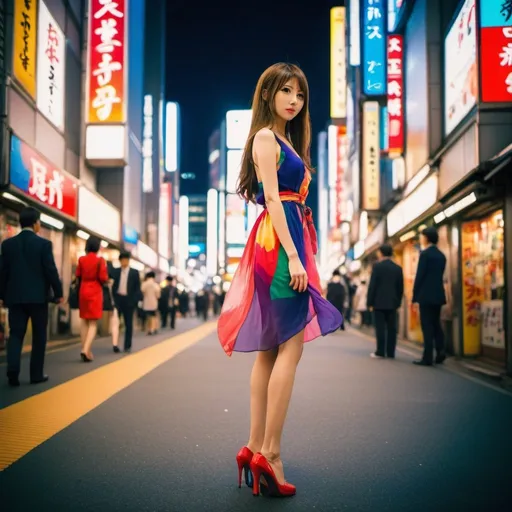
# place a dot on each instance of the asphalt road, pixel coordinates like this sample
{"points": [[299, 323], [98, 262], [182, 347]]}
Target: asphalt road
{"points": [[361, 435]]}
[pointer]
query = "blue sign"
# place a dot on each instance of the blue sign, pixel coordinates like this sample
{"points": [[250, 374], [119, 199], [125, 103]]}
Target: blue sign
{"points": [[374, 47], [130, 235], [495, 13]]}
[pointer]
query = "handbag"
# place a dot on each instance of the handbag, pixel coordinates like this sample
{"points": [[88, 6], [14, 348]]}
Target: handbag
{"points": [[74, 290]]}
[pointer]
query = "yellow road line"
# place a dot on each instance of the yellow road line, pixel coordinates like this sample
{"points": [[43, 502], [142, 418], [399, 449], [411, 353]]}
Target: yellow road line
{"points": [[29, 423]]}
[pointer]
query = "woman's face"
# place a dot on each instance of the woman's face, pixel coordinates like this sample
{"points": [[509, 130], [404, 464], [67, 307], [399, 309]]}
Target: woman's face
{"points": [[289, 100]]}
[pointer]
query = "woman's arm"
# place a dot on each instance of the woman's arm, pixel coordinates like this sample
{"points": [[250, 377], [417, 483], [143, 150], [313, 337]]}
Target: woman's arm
{"points": [[264, 151]]}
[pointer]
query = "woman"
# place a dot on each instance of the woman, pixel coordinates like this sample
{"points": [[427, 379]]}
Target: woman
{"points": [[150, 295], [92, 273], [274, 303], [360, 299]]}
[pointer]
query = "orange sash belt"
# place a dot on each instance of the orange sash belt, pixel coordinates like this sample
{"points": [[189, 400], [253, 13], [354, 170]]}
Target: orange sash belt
{"points": [[308, 214]]}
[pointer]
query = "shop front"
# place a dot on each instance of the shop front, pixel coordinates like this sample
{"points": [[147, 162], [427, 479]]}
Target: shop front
{"points": [[37, 182]]}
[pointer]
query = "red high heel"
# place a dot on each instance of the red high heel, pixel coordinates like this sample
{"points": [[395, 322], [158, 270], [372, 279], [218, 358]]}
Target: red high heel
{"points": [[243, 459], [261, 467]]}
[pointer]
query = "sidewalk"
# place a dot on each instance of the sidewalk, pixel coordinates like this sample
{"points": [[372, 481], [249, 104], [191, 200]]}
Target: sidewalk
{"points": [[483, 370]]}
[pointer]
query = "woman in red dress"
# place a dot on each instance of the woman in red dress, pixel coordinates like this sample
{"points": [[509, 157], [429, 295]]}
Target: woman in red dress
{"points": [[92, 272]]}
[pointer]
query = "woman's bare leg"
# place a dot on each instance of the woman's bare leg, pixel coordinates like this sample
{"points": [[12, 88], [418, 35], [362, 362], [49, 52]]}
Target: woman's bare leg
{"points": [[280, 389], [260, 376], [91, 334], [84, 326]]}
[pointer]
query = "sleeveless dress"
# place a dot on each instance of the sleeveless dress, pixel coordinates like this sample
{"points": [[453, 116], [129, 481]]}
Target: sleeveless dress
{"points": [[261, 310]]}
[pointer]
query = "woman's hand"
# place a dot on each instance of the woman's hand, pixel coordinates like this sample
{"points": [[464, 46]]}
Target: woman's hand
{"points": [[299, 280]]}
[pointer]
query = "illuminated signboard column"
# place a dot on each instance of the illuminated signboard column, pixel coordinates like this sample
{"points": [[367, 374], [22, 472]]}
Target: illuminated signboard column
{"points": [[371, 156], [395, 138], [374, 47], [496, 51], [338, 64], [106, 91], [51, 72], [212, 229]]}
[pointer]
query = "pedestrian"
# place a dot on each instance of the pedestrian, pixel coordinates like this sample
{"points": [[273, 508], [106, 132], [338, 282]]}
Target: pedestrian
{"points": [[92, 274], [384, 298], [150, 295], [27, 273], [127, 294], [360, 299], [168, 302], [274, 304], [428, 292], [337, 293]]}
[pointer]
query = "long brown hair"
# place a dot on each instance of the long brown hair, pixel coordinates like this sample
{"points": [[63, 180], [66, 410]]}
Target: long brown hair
{"points": [[263, 116]]}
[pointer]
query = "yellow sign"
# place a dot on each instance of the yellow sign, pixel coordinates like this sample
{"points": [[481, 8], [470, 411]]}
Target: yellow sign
{"points": [[338, 64], [472, 292], [25, 39], [371, 156]]}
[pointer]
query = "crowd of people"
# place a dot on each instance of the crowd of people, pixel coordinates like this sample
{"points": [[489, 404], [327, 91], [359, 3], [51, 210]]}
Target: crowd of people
{"points": [[29, 281], [378, 302]]}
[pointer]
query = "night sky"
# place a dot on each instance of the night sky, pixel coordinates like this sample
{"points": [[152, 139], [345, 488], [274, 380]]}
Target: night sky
{"points": [[216, 52]]}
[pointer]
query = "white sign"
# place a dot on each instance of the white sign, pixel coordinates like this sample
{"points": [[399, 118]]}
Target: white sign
{"points": [[234, 162], [376, 237], [493, 331], [147, 145], [371, 156], [460, 68], [147, 255], [51, 55], [355, 36], [238, 126], [98, 216], [415, 204], [171, 137], [338, 64]]}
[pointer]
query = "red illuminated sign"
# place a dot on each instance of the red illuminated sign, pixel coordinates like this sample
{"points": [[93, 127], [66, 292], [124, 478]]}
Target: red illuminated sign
{"points": [[106, 94], [395, 95], [496, 64], [40, 180]]}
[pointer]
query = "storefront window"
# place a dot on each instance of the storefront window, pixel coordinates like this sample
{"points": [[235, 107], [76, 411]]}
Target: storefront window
{"points": [[411, 255], [483, 286]]}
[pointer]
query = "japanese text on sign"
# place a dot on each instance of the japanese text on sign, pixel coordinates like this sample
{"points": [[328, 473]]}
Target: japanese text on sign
{"points": [[147, 145], [395, 95], [106, 71], [24, 56], [374, 48], [371, 156], [496, 53], [50, 68]]}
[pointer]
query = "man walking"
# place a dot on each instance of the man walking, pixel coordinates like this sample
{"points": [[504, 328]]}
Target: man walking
{"points": [[429, 293], [384, 297], [27, 273], [127, 294], [337, 294]]}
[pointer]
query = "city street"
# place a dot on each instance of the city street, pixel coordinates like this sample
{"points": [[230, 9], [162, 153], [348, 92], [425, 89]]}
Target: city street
{"points": [[158, 430]]}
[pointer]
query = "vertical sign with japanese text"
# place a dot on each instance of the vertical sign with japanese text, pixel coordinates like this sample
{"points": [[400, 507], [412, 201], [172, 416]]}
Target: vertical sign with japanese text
{"points": [[40, 180], [496, 51], [147, 145], [374, 47], [106, 90], [395, 141], [371, 156], [51, 77], [338, 64], [24, 44], [341, 166]]}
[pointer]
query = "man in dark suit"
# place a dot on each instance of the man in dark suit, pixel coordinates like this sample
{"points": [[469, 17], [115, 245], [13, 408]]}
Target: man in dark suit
{"points": [[127, 294], [27, 273], [337, 294], [167, 302], [384, 297], [429, 293]]}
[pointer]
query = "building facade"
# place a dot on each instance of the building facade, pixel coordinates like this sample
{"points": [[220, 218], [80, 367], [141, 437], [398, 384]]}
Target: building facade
{"points": [[445, 154]]}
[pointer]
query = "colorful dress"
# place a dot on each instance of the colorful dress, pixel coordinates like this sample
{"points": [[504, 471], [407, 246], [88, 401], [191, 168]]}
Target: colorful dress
{"points": [[261, 310]]}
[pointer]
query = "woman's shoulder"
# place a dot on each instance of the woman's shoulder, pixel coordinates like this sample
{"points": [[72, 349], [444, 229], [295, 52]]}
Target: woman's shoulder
{"points": [[264, 135]]}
